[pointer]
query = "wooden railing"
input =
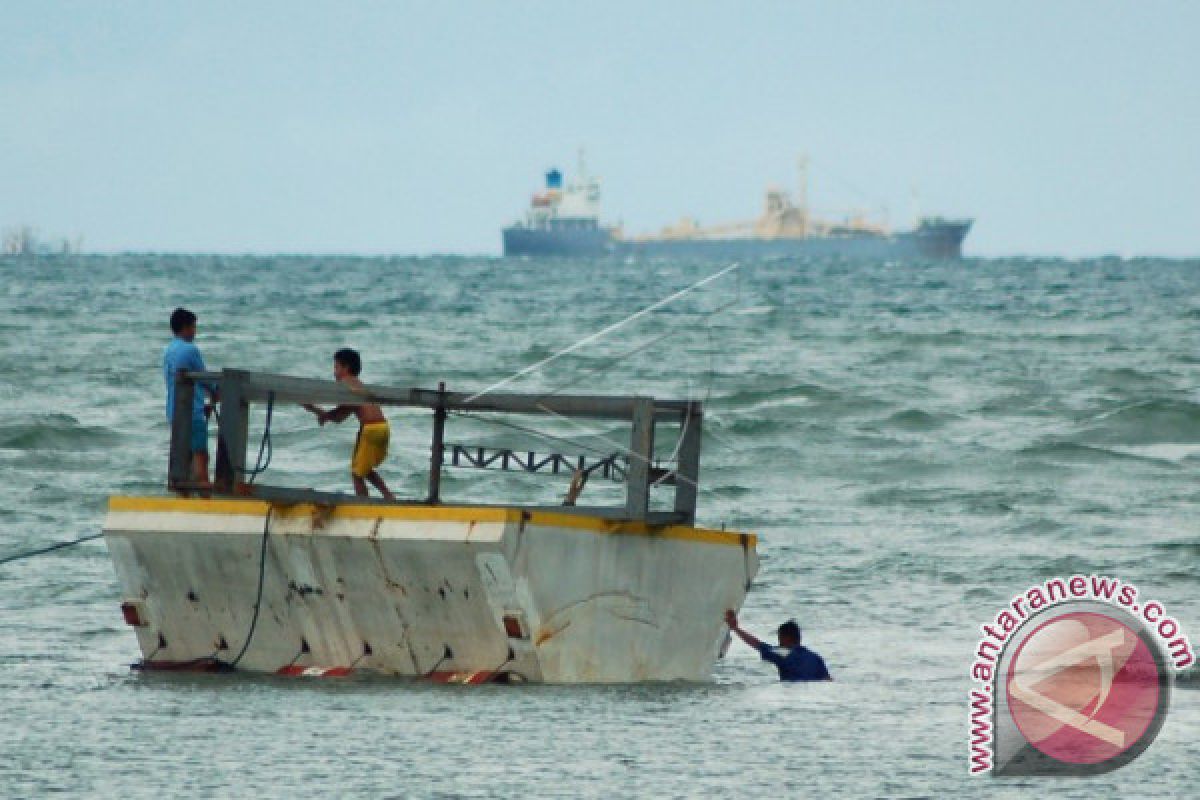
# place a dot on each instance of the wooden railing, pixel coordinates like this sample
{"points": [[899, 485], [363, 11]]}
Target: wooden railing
{"points": [[239, 390]]}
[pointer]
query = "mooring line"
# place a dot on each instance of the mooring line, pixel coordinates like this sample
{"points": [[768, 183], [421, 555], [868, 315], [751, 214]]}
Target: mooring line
{"points": [[605, 367], [531, 431], [602, 333], [262, 570], [620, 447], [50, 549], [612, 362]]}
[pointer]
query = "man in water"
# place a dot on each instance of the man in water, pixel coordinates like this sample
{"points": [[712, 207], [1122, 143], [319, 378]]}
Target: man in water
{"points": [[371, 446], [794, 661], [183, 354]]}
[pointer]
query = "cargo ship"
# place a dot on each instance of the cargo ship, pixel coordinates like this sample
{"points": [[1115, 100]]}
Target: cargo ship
{"points": [[562, 221], [567, 223]]}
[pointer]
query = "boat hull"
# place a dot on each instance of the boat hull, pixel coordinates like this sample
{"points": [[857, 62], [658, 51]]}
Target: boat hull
{"points": [[566, 242], [929, 241], [425, 591]]}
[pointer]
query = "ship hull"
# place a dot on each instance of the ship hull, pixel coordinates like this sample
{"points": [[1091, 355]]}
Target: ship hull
{"points": [[425, 592], [523, 241], [929, 242]]}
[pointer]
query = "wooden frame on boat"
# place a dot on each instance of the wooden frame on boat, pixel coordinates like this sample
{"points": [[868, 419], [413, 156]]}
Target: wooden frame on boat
{"points": [[239, 389]]}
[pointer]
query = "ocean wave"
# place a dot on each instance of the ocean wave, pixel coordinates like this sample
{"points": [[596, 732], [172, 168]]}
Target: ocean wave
{"points": [[1174, 452], [755, 397], [1154, 421], [985, 502], [799, 401], [950, 338], [330, 323], [1125, 378], [732, 490], [743, 424], [1065, 565], [914, 420], [55, 432], [1184, 549], [903, 562], [1079, 453]]}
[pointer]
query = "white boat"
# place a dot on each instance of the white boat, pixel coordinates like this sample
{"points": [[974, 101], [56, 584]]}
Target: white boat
{"points": [[292, 581]]}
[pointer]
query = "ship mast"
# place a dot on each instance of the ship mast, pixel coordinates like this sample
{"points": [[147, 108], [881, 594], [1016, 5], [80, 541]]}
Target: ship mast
{"points": [[802, 192]]}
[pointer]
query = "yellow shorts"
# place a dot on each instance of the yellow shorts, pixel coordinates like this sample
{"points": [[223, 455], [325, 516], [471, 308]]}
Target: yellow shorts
{"points": [[370, 449]]}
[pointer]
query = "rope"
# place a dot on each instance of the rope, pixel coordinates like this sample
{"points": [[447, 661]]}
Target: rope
{"points": [[264, 444], [619, 447], [531, 432], [260, 466], [50, 549], [605, 367], [262, 571], [602, 333]]}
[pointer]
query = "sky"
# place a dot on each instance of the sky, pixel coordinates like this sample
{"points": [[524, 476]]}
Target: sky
{"points": [[1063, 128]]}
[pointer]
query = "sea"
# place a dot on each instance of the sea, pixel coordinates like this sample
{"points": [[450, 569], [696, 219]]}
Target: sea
{"points": [[914, 444]]}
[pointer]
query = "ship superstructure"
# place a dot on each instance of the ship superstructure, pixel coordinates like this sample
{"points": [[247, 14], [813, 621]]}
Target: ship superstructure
{"points": [[787, 228], [561, 220]]}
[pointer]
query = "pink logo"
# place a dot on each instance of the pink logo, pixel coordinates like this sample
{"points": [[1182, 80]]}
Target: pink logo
{"points": [[1083, 688]]}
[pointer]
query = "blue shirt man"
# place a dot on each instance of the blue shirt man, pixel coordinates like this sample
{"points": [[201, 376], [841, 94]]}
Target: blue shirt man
{"points": [[182, 353], [796, 664], [185, 355], [794, 661]]}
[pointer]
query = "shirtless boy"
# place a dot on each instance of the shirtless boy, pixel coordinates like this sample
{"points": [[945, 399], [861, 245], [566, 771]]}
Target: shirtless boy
{"points": [[373, 432]]}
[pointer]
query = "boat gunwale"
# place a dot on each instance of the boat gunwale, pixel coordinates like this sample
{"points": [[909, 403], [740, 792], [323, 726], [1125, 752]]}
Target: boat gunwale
{"points": [[125, 504]]}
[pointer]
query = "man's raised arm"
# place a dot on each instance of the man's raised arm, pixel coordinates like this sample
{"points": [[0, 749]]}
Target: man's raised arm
{"points": [[747, 637]]}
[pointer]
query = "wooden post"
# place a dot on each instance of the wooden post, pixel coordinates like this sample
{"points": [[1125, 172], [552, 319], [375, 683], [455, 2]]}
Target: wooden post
{"points": [[232, 431], [179, 464], [687, 468], [641, 446], [436, 450]]}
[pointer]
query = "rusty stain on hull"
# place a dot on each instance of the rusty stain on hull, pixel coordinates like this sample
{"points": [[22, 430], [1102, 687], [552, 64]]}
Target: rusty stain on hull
{"points": [[547, 632]]}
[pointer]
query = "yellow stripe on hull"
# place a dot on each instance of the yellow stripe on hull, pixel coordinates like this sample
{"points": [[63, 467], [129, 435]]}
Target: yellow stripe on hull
{"points": [[251, 507]]}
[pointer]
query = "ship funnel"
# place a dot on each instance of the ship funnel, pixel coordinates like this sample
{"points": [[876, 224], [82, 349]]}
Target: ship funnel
{"points": [[554, 179]]}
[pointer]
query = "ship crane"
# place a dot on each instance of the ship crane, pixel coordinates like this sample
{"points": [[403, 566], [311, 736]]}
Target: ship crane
{"points": [[689, 228]]}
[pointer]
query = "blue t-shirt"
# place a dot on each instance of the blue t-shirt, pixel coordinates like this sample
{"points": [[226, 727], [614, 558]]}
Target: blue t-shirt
{"points": [[797, 664], [182, 354]]}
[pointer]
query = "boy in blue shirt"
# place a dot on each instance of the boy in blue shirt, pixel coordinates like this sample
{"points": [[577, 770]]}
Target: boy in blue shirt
{"points": [[182, 353], [794, 661]]}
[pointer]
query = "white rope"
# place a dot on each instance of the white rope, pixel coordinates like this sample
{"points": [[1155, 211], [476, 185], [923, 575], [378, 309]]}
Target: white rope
{"points": [[601, 333]]}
